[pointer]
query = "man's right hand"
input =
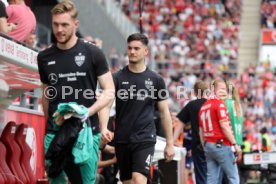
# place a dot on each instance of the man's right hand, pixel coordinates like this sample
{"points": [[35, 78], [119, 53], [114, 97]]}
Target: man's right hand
{"points": [[169, 152], [106, 135], [238, 153], [238, 150]]}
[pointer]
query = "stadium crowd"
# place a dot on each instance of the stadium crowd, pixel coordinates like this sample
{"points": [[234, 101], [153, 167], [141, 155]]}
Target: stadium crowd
{"points": [[268, 14], [189, 35], [198, 39]]}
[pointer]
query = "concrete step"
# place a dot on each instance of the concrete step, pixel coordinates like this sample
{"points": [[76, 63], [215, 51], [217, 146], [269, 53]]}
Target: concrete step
{"points": [[243, 47], [248, 18], [247, 3], [247, 53], [254, 27], [250, 21], [251, 10], [247, 39], [248, 46], [250, 15], [249, 58], [251, 28], [249, 36], [250, 24], [251, 3], [250, 31], [243, 62], [247, 49], [244, 40], [245, 24]]}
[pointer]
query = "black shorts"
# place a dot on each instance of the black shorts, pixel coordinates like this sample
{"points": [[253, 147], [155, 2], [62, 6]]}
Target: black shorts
{"points": [[134, 157]]}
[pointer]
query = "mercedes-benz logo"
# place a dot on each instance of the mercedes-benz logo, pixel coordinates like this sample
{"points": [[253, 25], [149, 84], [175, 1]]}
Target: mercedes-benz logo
{"points": [[124, 96], [53, 78]]}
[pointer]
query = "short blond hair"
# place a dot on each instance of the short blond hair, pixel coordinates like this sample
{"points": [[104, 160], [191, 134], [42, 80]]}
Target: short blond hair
{"points": [[66, 6]]}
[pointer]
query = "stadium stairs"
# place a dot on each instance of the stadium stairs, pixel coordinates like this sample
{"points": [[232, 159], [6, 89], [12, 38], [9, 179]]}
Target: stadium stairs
{"points": [[250, 27]]}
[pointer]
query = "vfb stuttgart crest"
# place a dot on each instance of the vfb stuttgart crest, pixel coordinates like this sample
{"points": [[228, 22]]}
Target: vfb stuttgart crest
{"points": [[148, 84], [79, 59]]}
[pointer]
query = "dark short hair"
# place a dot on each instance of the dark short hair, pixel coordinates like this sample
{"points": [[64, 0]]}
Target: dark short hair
{"points": [[138, 37], [263, 130]]}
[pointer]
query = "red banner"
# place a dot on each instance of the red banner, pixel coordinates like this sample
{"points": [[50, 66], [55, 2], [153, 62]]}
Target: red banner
{"points": [[269, 36]]}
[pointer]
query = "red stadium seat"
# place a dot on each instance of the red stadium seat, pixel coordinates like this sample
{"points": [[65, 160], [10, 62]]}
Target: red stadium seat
{"points": [[13, 152], [2, 180], [20, 138], [4, 168]]}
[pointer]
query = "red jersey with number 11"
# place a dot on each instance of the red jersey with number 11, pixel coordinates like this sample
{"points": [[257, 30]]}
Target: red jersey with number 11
{"points": [[211, 113]]}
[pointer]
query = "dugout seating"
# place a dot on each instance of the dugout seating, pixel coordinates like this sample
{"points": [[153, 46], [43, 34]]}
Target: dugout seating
{"points": [[13, 152], [20, 138], [6, 173]]}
